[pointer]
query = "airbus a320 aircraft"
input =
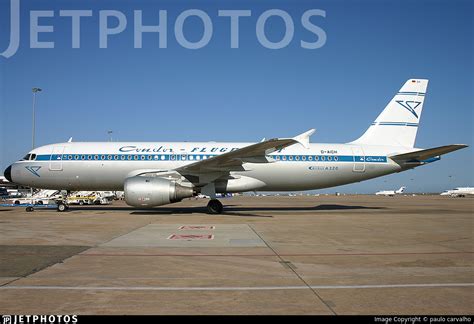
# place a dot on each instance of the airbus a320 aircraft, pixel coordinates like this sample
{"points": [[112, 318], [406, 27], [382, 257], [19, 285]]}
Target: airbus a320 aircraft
{"points": [[154, 174]]}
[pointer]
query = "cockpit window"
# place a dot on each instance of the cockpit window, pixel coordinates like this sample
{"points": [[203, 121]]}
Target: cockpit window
{"points": [[29, 157]]}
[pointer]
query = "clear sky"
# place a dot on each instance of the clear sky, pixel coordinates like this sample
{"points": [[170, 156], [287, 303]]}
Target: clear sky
{"points": [[226, 94]]}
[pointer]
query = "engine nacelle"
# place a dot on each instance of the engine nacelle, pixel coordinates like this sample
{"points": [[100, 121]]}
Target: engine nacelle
{"points": [[154, 191]]}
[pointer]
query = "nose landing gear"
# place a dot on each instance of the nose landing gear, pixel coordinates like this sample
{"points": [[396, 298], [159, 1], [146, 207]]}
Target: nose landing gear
{"points": [[214, 206]]}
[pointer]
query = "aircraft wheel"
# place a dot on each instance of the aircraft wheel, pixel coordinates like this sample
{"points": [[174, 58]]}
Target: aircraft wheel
{"points": [[29, 209], [214, 207]]}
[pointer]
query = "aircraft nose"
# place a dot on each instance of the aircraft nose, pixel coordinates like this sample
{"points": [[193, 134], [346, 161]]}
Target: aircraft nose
{"points": [[8, 173]]}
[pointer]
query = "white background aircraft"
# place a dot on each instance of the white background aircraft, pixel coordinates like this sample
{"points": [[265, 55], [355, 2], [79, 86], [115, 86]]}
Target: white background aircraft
{"points": [[154, 174], [4, 182], [459, 192], [390, 193]]}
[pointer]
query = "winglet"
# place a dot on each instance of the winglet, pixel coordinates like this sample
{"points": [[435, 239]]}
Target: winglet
{"points": [[303, 139], [69, 140]]}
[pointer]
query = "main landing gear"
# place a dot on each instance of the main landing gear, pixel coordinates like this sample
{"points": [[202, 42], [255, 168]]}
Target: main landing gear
{"points": [[214, 206]]}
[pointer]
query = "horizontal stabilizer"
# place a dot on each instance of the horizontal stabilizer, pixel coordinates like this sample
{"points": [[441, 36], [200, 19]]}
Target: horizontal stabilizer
{"points": [[423, 155]]}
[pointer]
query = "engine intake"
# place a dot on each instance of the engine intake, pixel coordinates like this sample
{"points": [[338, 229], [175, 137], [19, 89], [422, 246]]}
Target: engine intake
{"points": [[154, 191]]}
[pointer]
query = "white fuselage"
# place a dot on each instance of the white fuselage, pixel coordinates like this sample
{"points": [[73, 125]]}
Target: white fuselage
{"points": [[458, 192], [386, 193], [105, 166]]}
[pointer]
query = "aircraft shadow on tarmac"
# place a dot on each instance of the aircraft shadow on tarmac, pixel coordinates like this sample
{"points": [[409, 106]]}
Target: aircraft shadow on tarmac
{"points": [[229, 210]]}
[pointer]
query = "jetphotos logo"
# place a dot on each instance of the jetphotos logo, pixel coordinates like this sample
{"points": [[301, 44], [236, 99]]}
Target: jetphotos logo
{"points": [[39, 319], [114, 22]]}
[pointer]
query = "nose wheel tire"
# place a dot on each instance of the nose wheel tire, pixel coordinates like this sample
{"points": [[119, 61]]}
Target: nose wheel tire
{"points": [[214, 206]]}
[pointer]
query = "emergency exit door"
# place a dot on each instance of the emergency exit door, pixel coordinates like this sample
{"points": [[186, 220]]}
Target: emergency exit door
{"points": [[56, 159]]}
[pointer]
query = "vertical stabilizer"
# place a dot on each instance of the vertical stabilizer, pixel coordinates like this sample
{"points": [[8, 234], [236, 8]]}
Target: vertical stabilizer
{"points": [[397, 125], [401, 190]]}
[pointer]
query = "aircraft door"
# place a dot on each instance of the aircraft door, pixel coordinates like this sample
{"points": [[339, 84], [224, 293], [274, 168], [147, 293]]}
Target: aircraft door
{"points": [[359, 159], [56, 159]]}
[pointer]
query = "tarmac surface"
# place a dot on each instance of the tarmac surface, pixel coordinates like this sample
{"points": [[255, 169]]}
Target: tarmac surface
{"points": [[264, 255]]}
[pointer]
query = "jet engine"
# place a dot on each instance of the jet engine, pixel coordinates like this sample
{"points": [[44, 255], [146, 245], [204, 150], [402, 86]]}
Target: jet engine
{"points": [[148, 192]]}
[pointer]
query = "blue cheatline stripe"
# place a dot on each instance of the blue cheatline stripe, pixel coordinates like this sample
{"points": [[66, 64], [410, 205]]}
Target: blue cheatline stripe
{"points": [[411, 93], [43, 157], [394, 124], [199, 157]]}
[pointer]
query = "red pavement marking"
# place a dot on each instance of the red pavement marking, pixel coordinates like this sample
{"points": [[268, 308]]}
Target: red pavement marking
{"points": [[190, 237], [196, 227]]}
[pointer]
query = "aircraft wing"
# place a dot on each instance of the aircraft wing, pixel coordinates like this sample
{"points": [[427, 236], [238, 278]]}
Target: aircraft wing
{"points": [[425, 155], [254, 153]]}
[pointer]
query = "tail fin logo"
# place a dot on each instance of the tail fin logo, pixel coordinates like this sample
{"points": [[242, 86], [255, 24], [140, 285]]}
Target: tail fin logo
{"points": [[410, 106]]}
